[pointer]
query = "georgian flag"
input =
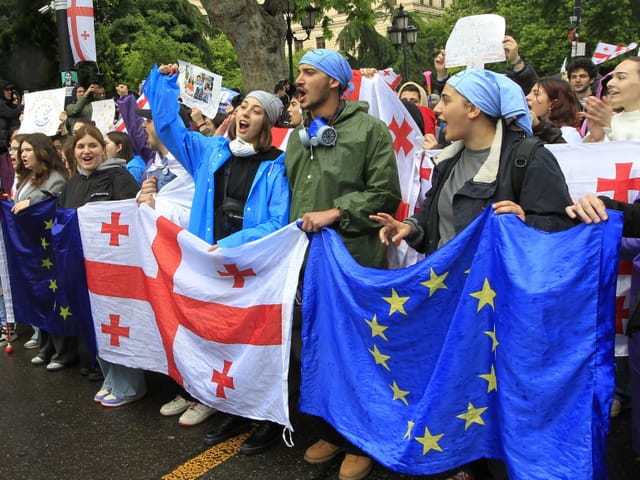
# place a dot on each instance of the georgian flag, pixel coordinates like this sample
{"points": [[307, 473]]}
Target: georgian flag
{"points": [[219, 323], [606, 51], [81, 30]]}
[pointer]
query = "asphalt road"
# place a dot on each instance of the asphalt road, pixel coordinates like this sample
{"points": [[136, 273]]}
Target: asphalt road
{"points": [[51, 429]]}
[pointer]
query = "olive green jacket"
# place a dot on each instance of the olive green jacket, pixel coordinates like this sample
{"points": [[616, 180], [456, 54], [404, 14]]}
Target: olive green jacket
{"points": [[358, 175]]}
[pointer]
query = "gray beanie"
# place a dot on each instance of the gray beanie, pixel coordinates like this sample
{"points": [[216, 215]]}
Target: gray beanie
{"points": [[270, 102]]}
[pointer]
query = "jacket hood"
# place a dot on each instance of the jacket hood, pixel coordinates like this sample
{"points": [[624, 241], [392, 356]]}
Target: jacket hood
{"points": [[424, 100]]}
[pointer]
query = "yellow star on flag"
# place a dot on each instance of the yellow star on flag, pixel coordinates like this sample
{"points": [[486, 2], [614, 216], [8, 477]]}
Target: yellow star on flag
{"points": [[472, 415], [494, 339], [53, 285], [377, 330], [44, 243], [491, 378], [410, 425], [64, 312], [485, 296], [379, 357], [399, 394], [48, 224], [429, 442], [435, 282], [47, 263], [396, 302]]}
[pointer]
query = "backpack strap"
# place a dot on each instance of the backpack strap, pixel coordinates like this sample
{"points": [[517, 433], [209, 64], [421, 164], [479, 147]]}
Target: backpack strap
{"points": [[521, 156]]}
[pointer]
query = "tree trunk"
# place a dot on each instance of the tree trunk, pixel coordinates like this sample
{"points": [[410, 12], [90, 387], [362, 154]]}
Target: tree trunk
{"points": [[257, 33]]}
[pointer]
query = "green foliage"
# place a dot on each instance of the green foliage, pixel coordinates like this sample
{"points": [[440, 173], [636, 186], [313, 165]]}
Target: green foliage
{"points": [[541, 27]]}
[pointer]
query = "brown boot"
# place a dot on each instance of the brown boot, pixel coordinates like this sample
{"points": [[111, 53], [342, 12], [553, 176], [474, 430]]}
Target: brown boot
{"points": [[321, 452], [354, 467]]}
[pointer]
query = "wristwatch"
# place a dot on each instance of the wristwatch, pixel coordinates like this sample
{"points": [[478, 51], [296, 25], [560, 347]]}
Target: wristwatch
{"points": [[517, 62]]}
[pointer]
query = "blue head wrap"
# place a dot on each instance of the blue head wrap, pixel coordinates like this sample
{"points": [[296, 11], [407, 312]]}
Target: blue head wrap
{"points": [[331, 63], [494, 94]]}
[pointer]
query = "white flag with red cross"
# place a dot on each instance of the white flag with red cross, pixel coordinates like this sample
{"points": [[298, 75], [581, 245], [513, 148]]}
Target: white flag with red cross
{"points": [[611, 169], [606, 51], [219, 323], [81, 30]]}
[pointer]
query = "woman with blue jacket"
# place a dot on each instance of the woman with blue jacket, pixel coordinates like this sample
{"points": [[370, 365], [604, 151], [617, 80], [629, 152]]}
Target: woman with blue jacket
{"points": [[241, 191], [241, 194]]}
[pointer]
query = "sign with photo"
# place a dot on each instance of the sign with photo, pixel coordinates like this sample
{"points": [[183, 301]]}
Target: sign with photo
{"points": [[199, 88]]}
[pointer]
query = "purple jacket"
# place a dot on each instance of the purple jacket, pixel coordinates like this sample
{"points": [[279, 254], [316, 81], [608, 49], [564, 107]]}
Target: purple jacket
{"points": [[128, 106]]}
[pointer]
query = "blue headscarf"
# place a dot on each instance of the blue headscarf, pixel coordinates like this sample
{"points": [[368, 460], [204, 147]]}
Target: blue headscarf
{"points": [[494, 94], [331, 63]]}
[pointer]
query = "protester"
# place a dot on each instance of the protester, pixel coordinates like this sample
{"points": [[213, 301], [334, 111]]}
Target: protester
{"points": [[552, 100], [241, 192], [623, 92], [15, 139], [40, 172], [339, 186], [582, 75], [10, 111], [98, 179], [80, 107], [476, 170], [294, 111], [415, 94], [119, 146]]}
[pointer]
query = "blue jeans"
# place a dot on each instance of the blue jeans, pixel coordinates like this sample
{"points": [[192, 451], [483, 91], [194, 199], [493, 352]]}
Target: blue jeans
{"points": [[121, 381]]}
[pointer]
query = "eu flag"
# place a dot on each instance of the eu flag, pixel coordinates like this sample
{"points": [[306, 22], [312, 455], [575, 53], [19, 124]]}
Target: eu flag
{"points": [[46, 269], [498, 345]]}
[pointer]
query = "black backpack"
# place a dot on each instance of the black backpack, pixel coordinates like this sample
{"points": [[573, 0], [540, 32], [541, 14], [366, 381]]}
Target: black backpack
{"points": [[521, 156]]}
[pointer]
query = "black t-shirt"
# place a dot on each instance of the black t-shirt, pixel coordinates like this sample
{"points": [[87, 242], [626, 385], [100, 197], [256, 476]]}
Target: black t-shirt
{"points": [[232, 186]]}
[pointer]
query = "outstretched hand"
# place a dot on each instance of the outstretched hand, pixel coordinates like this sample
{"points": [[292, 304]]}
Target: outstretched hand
{"points": [[391, 229], [169, 69]]}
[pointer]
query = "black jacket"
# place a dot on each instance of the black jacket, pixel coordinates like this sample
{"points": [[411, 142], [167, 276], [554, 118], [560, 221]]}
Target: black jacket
{"points": [[110, 181], [543, 194]]}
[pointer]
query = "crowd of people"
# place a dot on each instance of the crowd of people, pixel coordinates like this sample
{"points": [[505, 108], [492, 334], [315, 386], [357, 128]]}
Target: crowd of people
{"points": [[224, 180]]}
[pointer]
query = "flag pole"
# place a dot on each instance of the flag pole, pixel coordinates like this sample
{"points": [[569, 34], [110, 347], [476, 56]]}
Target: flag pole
{"points": [[66, 58]]}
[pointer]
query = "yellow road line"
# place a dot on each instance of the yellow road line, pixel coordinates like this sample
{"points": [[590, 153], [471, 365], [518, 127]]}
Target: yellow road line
{"points": [[211, 458]]}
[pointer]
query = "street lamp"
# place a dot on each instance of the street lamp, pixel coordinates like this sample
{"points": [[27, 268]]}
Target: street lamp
{"points": [[402, 34], [308, 23]]}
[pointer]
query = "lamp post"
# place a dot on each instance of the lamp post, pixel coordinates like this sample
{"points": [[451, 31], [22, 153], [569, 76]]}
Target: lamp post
{"points": [[576, 20], [308, 23], [402, 34]]}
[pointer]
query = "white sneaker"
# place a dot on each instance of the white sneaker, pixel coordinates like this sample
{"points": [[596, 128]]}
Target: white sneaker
{"points": [[38, 360], [195, 414], [174, 407], [30, 344]]}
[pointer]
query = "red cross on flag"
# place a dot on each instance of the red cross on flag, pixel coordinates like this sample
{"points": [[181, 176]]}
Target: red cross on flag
{"points": [[218, 323], [611, 169], [81, 31], [606, 51]]}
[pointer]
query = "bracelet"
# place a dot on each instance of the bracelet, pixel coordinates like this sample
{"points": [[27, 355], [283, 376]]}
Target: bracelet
{"points": [[518, 62], [201, 125]]}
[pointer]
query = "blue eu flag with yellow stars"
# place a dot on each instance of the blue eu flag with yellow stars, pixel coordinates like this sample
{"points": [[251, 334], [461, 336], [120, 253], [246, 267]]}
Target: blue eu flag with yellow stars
{"points": [[47, 280], [498, 345]]}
